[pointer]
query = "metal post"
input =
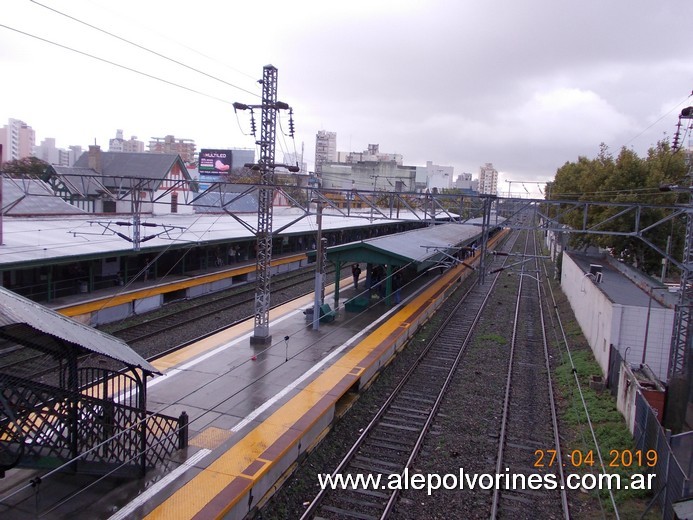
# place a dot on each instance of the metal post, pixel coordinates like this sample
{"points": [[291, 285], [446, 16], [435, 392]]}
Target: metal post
{"points": [[680, 388], [1, 181], [486, 221], [261, 333], [664, 260], [318, 269], [136, 220], [338, 275]]}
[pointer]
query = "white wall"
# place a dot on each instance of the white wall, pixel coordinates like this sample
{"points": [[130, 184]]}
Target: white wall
{"points": [[630, 333], [625, 400], [604, 322], [592, 309], [163, 204]]}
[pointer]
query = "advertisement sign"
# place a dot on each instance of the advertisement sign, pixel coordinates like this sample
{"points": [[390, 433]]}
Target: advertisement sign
{"points": [[214, 162]]}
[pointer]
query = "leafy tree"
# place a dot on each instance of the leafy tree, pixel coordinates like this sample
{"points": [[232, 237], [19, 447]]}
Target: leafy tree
{"points": [[625, 178], [27, 166]]}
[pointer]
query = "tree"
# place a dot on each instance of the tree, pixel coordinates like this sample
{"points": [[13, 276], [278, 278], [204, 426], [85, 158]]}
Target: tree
{"points": [[626, 178], [27, 166]]}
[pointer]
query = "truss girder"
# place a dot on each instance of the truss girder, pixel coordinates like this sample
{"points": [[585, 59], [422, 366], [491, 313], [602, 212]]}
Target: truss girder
{"points": [[682, 333]]}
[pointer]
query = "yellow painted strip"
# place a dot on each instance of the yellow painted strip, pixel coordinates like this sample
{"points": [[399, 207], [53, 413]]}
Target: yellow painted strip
{"points": [[211, 438], [199, 491], [193, 496], [119, 299]]}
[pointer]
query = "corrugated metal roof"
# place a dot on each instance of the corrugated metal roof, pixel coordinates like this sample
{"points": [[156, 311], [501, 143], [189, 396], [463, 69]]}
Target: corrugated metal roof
{"points": [[617, 287], [212, 202], [32, 197], [17, 313], [42, 240], [421, 246]]}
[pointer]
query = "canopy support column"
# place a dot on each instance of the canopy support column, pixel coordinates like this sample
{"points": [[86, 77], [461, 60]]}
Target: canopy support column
{"points": [[337, 279]]}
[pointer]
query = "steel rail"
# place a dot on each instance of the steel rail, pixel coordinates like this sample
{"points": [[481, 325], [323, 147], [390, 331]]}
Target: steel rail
{"points": [[315, 504]]}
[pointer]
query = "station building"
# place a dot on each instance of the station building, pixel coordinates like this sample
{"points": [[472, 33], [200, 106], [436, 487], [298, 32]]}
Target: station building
{"points": [[52, 250]]}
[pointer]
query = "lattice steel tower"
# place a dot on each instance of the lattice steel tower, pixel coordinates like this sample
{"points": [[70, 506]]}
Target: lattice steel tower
{"points": [[680, 391], [268, 127], [266, 165]]}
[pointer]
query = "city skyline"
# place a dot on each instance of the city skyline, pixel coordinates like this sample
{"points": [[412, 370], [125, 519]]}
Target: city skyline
{"points": [[118, 143], [526, 86]]}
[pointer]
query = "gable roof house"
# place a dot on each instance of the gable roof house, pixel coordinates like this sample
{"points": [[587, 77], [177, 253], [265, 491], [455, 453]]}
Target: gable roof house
{"points": [[121, 182]]}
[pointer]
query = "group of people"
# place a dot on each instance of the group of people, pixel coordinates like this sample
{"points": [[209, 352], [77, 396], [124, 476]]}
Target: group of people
{"points": [[233, 254], [377, 281]]}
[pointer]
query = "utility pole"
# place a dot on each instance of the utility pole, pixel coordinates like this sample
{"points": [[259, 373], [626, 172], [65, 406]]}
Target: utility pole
{"points": [[680, 389], [266, 165], [320, 261], [485, 225]]}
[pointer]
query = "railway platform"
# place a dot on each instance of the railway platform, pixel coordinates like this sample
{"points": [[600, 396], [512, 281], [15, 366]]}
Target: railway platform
{"points": [[252, 410]]}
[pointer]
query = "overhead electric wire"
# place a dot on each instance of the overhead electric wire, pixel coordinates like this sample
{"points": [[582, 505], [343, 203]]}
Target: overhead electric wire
{"points": [[564, 339], [625, 191], [657, 121], [115, 64], [285, 147], [281, 141], [164, 36], [143, 48]]}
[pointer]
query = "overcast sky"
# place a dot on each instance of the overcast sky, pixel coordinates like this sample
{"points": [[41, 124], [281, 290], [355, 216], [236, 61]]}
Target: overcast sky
{"points": [[524, 84]]}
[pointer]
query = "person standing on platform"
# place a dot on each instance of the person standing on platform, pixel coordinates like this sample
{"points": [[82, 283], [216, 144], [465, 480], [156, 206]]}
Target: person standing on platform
{"points": [[356, 272], [397, 287]]}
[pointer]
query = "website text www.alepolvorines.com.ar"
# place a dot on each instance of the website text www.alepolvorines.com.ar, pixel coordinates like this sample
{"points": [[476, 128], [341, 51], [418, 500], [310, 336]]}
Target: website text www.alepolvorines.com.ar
{"points": [[433, 482]]}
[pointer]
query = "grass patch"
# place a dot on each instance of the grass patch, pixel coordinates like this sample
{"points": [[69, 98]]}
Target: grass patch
{"points": [[610, 429], [492, 336]]}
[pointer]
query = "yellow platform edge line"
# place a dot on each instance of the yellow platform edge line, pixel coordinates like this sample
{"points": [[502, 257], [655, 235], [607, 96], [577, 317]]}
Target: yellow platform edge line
{"points": [[105, 302], [185, 502], [193, 496]]}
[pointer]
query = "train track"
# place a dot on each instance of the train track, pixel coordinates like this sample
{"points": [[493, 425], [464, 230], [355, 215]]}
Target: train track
{"points": [[186, 321], [390, 443], [529, 444], [229, 304]]}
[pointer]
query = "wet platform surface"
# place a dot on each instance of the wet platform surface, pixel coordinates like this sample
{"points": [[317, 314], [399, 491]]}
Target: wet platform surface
{"points": [[224, 381], [227, 387]]}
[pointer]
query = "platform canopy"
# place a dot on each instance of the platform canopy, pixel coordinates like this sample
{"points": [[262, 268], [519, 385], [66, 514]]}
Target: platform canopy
{"points": [[25, 322], [423, 247]]}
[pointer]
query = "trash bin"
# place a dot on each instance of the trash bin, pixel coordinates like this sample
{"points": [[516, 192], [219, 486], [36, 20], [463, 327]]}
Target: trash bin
{"points": [[309, 314]]}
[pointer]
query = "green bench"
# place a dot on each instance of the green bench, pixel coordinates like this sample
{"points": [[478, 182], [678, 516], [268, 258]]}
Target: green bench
{"points": [[356, 304], [326, 313]]}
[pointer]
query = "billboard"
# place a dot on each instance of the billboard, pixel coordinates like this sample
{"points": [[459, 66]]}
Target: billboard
{"points": [[215, 162]]}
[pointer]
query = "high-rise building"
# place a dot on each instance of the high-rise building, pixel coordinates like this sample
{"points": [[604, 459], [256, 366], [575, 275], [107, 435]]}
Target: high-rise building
{"points": [[75, 151], [372, 154], [169, 144], [17, 140], [439, 176], [488, 179], [325, 149], [131, 145], [464, 182], [48, 152]]}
